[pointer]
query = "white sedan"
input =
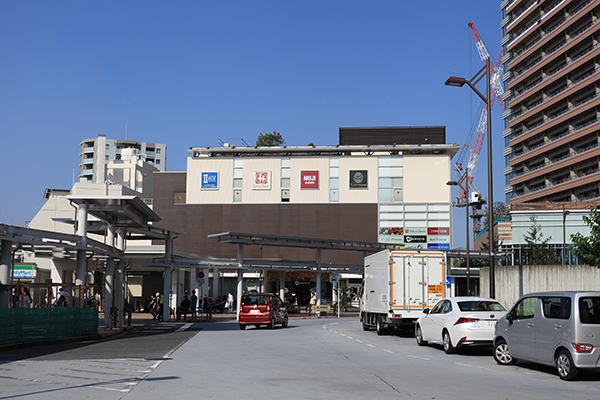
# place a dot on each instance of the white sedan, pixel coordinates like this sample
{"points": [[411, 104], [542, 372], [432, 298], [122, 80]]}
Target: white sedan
{"points": [[459, 321]]}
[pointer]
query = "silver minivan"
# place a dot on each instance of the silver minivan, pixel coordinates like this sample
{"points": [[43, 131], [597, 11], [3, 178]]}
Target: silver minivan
{"points": [[561, 329]]}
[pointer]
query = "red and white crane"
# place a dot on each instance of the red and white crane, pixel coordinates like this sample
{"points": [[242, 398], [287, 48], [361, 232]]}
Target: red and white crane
{"points": [[497, 91]]}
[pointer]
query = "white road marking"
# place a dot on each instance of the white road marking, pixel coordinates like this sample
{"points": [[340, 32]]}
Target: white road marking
{"points": [[418, 358], [388, 351]]}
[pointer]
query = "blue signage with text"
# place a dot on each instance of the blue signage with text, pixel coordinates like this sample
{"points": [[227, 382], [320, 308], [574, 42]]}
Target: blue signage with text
{"points": [[440, 246], [210, 180]]}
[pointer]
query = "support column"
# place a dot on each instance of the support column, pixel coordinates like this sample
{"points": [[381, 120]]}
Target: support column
{"points": [[119, 278], [107, 296], [282, 285], [318, 276], [215, 282], [167, 279], [80, 273], [240, 281], [5, 263]]}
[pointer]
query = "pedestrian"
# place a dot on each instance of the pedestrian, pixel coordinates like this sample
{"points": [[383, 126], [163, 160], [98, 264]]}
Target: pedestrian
{"points": [[194, 303], [87, 298], [154, 306], [97, 300], [62, 298], [24, 299], [184, 308], [313, 302], [230, 302]]}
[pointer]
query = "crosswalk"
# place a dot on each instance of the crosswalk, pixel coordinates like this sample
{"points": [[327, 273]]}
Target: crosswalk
{"points": [[112, 375]]}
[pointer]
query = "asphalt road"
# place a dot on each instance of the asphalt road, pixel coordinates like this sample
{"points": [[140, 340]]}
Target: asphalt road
{"points": [[311, 359]]}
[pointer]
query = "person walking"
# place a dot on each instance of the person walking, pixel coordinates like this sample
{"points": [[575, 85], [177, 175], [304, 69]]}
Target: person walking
{"points": [[194, 303], [230, 301]]}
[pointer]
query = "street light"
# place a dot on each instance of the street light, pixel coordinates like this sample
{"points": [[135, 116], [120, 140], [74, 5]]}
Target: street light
{"points": [[459, 82], [565, 213], [465, 188]]}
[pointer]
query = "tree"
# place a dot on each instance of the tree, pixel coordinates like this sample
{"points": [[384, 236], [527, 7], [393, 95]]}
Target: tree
{"points": [[500, 210], [270, 139], [587, 248], [537, 251]]}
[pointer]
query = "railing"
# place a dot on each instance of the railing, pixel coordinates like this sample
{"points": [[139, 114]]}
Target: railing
{"points": [[551, 184]]}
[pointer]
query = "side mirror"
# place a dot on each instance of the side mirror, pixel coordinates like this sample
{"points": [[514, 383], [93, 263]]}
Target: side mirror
{"points": [[426, 311]]}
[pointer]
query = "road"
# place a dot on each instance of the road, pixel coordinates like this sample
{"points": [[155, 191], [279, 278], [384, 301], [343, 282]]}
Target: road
{"points": [[311, 359]]}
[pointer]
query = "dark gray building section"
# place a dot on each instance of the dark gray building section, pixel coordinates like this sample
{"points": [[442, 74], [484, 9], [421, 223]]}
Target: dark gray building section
{"points": [[357, 222], [393, 135]]}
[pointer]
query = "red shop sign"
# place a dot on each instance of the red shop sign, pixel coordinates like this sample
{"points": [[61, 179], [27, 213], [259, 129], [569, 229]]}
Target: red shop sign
{"points": [[309, 179], [438, 231]]}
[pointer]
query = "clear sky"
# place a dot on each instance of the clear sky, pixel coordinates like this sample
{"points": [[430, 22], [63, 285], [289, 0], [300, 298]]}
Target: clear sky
{"points": [[187, 73]]}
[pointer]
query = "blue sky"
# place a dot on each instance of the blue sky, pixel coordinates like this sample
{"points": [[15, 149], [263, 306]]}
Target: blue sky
{"points": [[187, 73]]}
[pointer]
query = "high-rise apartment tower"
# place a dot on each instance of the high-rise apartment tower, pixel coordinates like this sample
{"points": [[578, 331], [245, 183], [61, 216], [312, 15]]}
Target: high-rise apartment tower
{"points": [[552, 100]]}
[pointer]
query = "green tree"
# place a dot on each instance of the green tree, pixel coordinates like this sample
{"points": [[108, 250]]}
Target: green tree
{"points": [[500, 210], [587, 248], [270, 139], [537, 251]]}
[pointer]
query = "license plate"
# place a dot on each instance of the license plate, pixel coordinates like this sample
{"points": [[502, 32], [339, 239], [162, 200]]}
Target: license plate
{"points": [[490, 324], [254, 311]]}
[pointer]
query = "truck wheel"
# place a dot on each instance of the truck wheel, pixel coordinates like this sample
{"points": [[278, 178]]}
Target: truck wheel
{"points": [[379, 326], [419, 336], [564, 365], [365, 326]]}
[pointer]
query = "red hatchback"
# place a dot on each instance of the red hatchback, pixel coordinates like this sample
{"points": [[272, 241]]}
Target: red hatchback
{"points": [[262, 309]]}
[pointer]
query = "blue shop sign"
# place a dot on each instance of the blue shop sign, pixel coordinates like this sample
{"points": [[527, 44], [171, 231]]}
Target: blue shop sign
{"points": [[439, 246], [210, 180]]}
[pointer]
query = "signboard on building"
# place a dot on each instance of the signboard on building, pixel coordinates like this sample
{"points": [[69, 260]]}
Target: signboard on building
{"points": [[439, 246], [415, 239], [309, 179], [209, 180], [438, 231], [415, 231], [439, 239], [262, 180], [358, 179], [391, 231], [25, 271]]}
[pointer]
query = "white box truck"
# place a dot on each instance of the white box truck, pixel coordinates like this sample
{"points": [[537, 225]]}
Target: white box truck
{"points": [[398, 285]]}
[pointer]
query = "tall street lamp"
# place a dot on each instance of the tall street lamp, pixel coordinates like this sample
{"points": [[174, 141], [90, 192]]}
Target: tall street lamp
{"points": [[564, 255], [464, 181], [459, 82]]}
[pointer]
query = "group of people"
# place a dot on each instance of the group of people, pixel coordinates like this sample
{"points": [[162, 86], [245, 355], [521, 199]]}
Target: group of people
{"points": [[24, 299]]}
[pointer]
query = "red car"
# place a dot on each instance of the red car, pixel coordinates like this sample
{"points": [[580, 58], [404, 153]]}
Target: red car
{"points": [[262, 309]]}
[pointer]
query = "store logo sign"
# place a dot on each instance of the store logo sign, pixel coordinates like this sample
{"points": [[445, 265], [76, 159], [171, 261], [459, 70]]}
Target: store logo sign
{"points": [[309, 179], [358, 179], [262, 180], [209, 180]]}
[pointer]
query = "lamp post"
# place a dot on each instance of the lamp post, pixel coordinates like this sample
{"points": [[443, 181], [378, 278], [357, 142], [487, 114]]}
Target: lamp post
{"points": [[459, 82], [565, 213], [465, 188]]}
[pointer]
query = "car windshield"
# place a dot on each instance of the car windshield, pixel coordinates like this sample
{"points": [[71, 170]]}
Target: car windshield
{"points": [[255, 300], [480, 305], [589, 310]]}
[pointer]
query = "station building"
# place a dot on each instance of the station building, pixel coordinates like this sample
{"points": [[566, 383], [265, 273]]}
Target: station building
{"points": [[368, 189]]}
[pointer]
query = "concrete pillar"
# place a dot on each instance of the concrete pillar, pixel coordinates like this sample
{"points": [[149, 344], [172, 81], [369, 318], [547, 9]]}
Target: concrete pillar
{"points": [[240, 281], [107, 296], [119, 276], [194, 286], [215, 292], [282, 285], [80, 273], [5, 263], [318, 276], [167, 279], [166, 293], [205, 286], [263, 282]]}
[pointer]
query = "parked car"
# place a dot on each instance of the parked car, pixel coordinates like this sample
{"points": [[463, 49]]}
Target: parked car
{"points": [[559, 329], [262, 309], [459, 321]]}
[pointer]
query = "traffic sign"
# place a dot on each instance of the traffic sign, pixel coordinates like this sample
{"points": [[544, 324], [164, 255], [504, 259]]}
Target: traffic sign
{"points": [[201, 274], [200, 281], [334, 277]]}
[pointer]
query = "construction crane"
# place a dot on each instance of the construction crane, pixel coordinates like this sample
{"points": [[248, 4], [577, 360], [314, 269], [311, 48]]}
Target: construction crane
{"points": [[466, 175]]}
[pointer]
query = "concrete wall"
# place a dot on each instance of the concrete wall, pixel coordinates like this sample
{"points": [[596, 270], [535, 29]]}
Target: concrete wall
{"points": [[514, 281]]}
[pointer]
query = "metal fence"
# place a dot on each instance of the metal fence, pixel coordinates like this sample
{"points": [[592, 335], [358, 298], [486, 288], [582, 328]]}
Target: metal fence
{"points": [[39, 324]]}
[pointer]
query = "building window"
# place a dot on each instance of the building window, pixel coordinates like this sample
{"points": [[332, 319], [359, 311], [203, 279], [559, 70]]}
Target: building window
{"points": [[238, 174], [286, 173], [334, 179], [390, 181], [158, 150]]}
